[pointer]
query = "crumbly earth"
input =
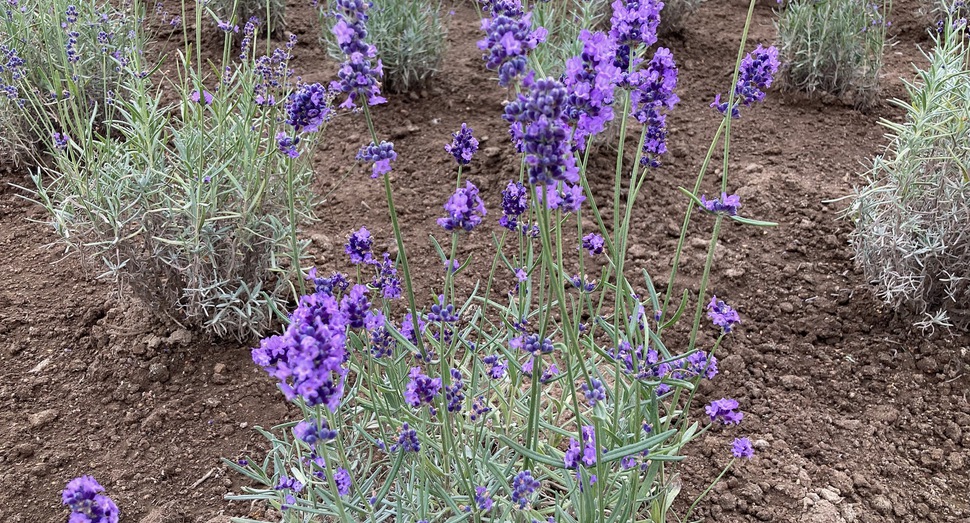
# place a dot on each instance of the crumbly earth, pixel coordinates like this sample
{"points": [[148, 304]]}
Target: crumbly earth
{"points": [[855, 416]]}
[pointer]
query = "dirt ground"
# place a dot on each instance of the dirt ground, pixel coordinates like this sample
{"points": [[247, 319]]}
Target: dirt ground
{"points": [[856, 417]]}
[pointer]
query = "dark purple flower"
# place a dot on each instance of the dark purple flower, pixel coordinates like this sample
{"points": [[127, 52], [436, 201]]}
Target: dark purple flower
{"points": [[508, 39], [523, 486], [634, 22], [464, 145], [407, 327], [727, 204], [355, 306], [358, 247], [700, 364], [652, 92], [496, 366], [483, 500], [308, 108], [407, 441], [754, 76], [741, 448], [358, 76], [538, 129], [386, 280], [228, 27], [342, 479], [249, 30], [337, 282], [722, 314], [287, 144], [421, 388], [465, 209], [382, 155], [515, 202], [61, 140], [585, 456], [594, 243], [382, 341], [590, 80], [442, 312], [313, 431], [454, 396], [582, 283], [724, 409], [594, 391], [532, 344], [288, 483], [479, 409]]}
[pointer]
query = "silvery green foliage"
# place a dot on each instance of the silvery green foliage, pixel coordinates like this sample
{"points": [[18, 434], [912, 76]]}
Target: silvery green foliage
{"points": [[271, 13], [834, 47], [564, 20], [912, 235], [73, 66], [409, 36], [196, 212]]}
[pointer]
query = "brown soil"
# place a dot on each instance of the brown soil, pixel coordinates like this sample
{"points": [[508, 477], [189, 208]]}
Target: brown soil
{"points": [[855, 416]]}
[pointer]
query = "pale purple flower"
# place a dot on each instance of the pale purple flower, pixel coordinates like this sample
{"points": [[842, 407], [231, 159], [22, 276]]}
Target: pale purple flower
{"points": [[464, 145], [465, 209], [724, 409], [741, 448], [382, 155]]}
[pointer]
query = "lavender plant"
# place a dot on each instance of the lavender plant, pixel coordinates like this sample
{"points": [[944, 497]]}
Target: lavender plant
{"points": [[233, 14], [911, 219], [546, 391], [408, 34], [82, 496], [196, 208], [834, 47], [61, 68]]}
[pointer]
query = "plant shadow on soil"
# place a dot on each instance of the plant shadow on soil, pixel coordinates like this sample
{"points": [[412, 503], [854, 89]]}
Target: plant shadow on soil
{"points": [[855, 417]]}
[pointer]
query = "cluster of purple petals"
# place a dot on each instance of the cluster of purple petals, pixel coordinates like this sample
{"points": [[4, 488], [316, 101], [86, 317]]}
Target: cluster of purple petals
{"points": [[407, 440], [382, 342], [590, 80], [421, 389], [515, 202], [228, 27], [538, 128], [594, 391], [12, 64], [479, 409], [722, 314], [61, 140], [288, 483], [532, 344], [561, 195], [307, 358], [454, 395], [465, 209], [442, 312], [523, 486], [741, 448], [407, 327], [386, 279], [359, 77], [483, 500], [463, 146], [727, 204], [313, 431], [508, 39], [548, 372], [382, 155], [249, 31], [586, 455], [702, 364], [634, 22], [287, 144], [358, 246], [342, 479], [724, 410], [652, 93], [496, 366], [273, 75], [583, 283], [594, 243], [82, 496], [754, 76], [335, 283], [308, 108], [204, 97]]}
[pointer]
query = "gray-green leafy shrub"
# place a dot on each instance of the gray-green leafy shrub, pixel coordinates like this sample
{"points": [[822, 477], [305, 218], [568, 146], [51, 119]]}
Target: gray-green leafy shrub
{"points": [[912, 235], [61, 64], [271, 13], [833, 46], [409, 36], [565, 20], [195, 207]]}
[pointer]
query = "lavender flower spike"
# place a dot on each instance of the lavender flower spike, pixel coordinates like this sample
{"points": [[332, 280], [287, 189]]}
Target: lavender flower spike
{"points": [[464, 145], [382, 155], [754, 76], [465, 209], [722, 314], [87, 506]]}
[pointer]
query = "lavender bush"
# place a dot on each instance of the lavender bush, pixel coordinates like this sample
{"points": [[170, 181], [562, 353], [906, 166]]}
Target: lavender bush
{"points": [[62, 63], [408, 35], [833, 46], [911, 219], [196, 207], [546, 391]]}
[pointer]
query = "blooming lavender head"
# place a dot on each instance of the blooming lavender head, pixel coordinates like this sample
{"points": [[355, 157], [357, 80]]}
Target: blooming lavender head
{"points": [[741, 448], [722, 314], [308, 108], [700, 364], [515, 202], [595, 392], [464, 145], [523, 486], [585, 455], [407, 440], [454, 395], [421, 389], [287, 144], [652, 93], [508, 39], [386, 279], [726, 204], [313, 431], [538, 128], [465, 209], [359, 78], [590, 80], [382, 155], [342, 479], [532, 344], [754, 76], [358, 247], [483, 500], [82, 496], [724, 410], [594, 243], [495, 366], [634, 22], [61, 140]]}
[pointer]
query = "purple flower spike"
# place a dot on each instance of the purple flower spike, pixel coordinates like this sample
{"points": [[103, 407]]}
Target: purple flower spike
{"points": [[515, 202], [634, 22], [87, 506], [464, 145], [483, 500], [342, 479], [359, 247], [594, 243], [359, 78], [754, 76], [741, 448], [722, 314], [508, 39], [727, 204], [539, 130], [61, 140], [465, 209], [308, 108], [421, 389], [724, 409], [522, 487], [652, 93], [407, 441], [287, 144], [591, 80], [585, 456], [382, 155]]}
